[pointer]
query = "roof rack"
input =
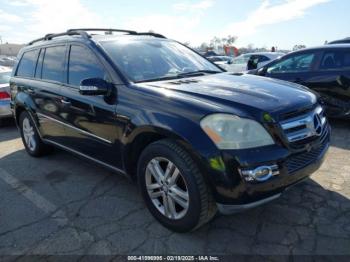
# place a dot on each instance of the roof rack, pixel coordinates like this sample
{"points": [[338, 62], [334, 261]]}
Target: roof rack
{"points": [[83, 32]]}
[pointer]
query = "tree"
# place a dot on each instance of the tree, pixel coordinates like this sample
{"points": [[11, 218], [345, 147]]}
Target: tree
{"points": [[203, 47], [298, 47], [230, 40]]}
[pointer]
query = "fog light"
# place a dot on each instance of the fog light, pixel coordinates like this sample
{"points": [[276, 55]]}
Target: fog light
{"points": [[260, 174]]}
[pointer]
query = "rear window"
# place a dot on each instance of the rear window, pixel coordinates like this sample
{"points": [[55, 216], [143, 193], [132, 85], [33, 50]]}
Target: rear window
{"points": [[336, 60], [27, 64], [53, 64]]}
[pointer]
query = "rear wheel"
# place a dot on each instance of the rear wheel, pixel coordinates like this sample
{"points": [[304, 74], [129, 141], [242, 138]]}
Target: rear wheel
{"points": [[173, 187], [30, 137]]}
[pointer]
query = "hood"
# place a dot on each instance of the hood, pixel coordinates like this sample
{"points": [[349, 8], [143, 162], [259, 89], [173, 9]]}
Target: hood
{"points": [[265, 94]]}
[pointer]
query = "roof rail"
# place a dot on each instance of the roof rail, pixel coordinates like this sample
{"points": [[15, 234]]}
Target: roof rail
{"points": [[110, 30], [83, 32], [151, 34], [106, 30], [69, 32]]}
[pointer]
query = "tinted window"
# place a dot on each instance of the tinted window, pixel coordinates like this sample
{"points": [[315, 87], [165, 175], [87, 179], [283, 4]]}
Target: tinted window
{"points": [[335, 60], [292, 64], [53, 63], [39, 64], [82, 65], [27, 64], [263, 58]]}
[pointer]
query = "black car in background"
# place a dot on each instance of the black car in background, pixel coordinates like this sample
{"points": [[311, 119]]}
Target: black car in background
{"points": [[196, 139], [340, 41], [325, 70]]}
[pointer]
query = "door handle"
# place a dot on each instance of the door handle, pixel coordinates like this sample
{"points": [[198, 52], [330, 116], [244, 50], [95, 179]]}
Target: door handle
{"points": [[65, 102]]}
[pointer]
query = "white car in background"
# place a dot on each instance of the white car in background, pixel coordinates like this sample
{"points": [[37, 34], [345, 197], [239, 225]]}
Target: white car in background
{"points": [[5, 109], [239, 64]]}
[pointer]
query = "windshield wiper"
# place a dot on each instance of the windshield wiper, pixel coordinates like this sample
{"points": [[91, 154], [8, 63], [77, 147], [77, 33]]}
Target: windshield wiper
{"points": [[180, 75], [159, 79], [199, 73]]}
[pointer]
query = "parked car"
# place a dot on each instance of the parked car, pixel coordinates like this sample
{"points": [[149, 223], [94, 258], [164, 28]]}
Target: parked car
{"points": [[5, 110], [220, 60], [239, 64], [196, 139], [341, 41], [325, 70], [7, 61]]}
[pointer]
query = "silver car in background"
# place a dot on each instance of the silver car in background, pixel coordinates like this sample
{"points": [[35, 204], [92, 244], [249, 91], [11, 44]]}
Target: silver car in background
{"points": [[5, 109], [239, 64]]}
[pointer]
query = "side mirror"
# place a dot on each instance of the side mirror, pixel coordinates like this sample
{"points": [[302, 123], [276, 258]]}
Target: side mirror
{"points": [[94, 87]]}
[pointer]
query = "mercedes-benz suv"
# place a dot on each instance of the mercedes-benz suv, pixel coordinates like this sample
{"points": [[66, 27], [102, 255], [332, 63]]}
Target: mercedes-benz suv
{"points": [[195, 138]]}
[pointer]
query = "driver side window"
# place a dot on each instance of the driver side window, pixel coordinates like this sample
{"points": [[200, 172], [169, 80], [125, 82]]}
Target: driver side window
{"points": [[82, 65], [292, 64]]}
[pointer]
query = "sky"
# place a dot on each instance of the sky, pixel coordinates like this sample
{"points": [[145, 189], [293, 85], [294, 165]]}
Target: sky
{"points": [[262, 23]]}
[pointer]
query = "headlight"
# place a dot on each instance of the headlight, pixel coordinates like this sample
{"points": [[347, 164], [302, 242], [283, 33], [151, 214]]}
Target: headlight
{"points": [[232, 132]]}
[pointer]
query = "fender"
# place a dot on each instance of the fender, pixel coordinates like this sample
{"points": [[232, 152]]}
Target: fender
{"points": [[24, 101], [201, 148]]}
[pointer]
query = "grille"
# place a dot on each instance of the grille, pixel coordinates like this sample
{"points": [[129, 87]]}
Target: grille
{"points": [[299, 161], [302, 128]]}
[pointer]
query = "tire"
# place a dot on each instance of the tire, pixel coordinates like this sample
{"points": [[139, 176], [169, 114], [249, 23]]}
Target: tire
{"points": [[30, 137], [189, 185]]}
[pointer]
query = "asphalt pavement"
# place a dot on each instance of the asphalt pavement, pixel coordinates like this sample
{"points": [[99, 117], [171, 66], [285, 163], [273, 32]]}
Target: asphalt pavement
{"points": [[63, 205]]}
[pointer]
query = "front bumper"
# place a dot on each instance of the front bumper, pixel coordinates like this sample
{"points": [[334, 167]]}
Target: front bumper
{"points": [[233, 193], [266, 192], [5, 109]]}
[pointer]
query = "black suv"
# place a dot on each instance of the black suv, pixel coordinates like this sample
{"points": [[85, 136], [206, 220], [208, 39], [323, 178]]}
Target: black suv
{"points": [[325, 70], [196, 139]]}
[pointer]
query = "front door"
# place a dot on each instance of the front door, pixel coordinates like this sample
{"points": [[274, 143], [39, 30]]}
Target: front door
{"points": [[331, 80], [295, 68], [89, 120]]}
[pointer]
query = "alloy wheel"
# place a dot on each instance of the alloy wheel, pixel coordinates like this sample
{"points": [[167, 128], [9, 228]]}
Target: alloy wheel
{"points": [[28, 134], [167, 188]]}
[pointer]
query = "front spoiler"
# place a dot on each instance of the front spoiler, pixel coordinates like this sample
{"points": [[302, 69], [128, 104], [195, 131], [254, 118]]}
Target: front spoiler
{"points": [[231, 209]]}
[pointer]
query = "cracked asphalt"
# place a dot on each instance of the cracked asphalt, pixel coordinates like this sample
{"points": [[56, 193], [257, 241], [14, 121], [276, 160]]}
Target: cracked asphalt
{"points": [[64, 205]]}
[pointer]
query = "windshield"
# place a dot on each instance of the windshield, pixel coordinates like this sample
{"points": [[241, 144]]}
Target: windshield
{"points": [[5, 77], [149, 60]]}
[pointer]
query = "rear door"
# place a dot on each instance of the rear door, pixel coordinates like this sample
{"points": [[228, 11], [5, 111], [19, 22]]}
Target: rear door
{"points": [[90, 120], [48, 82], [38, 75], [331, 79]]}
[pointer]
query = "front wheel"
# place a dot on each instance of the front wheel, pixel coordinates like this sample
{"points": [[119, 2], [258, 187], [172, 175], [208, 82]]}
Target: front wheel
{"points": [[173, 187]]}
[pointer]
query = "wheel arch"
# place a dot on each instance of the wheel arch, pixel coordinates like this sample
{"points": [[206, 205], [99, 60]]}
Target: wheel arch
{"points": [[24, 102], [144, 136]]}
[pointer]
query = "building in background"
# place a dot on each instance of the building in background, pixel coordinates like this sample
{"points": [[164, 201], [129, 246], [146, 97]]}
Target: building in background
{"points": [[9, 49]]}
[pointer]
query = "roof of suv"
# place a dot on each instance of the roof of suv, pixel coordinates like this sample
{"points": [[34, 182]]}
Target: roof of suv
{"points": [[83, 35]]}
